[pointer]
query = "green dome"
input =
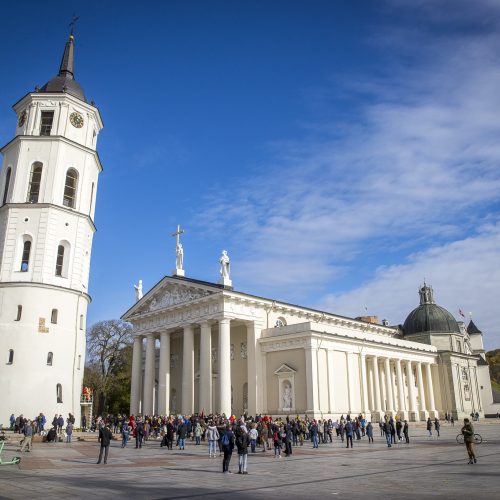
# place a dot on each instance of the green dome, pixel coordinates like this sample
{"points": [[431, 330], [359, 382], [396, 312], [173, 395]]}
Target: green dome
{"points": [[429, 317]]}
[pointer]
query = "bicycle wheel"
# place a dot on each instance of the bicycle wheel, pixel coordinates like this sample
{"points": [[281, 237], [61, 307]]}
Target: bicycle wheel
{"points": [[478, 439], [460, 439]]}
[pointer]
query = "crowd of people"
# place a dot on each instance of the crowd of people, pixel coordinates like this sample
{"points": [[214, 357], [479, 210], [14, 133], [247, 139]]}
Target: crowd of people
{"points": [[223, 435]]}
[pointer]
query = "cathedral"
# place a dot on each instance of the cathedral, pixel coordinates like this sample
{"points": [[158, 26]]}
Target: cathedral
{"points": [[48, 186], [210, 348]]}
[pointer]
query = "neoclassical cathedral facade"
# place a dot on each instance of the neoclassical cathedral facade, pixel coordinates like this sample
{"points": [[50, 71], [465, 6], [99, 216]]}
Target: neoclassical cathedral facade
{"points": [[209, 348], [48, 186]]}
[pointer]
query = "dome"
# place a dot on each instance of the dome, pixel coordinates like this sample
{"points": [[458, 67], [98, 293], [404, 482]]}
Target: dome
{"points": [[429, 317]]}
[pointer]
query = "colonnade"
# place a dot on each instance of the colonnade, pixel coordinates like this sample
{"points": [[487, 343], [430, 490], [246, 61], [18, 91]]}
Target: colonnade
{"points": [[188, 403]]}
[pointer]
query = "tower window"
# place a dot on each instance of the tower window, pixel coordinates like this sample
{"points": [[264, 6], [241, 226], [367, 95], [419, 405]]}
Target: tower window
{"points": [[11, 357], [50, 357], [46, 122], [60, 260], [53, 317], [81, 321], [35, 181], [7, 182], [25, 260], [70, 188], [59, 393], [19, 313], [79, 361]]}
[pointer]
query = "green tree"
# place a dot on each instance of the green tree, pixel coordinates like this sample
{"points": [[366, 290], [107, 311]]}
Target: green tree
{"points": [[108, 367]]}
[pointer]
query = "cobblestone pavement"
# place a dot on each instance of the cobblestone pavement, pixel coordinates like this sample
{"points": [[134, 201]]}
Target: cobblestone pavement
{"points": [[427, 467]]}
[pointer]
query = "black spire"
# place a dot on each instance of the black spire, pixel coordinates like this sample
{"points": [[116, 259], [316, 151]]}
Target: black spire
{"points": [[68, 60], [472, 329]]}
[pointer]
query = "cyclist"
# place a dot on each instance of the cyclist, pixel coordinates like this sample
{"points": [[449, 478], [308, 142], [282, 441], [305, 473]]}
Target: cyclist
{"points": [[468, 433]]}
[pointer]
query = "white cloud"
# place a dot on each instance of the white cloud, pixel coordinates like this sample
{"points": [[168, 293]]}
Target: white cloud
{"points": [[415, 170]]}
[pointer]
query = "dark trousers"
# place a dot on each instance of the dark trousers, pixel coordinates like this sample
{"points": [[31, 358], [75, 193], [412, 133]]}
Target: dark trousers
{"points": [[288, 448], [226, 460], [370, 438], [138, 441], [105, 449], [349, 440], [407, 439]]}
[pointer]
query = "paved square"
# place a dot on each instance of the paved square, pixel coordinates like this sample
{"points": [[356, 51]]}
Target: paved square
{"points": [[427, 467]]}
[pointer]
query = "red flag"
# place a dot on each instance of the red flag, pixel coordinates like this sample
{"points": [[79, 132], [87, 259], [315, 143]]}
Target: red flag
{"points": [[461, 313]]}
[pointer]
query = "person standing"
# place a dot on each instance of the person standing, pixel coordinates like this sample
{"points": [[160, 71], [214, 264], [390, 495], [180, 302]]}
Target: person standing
{"points": [[369, 432], [212, 437], [84, 423], [182, 432], [242, 445], [452, 420], [28, 435], [349, 431], [227, 442], [277, 443], [197, 433], [69, 432], [399, 427], [437, 425], [139, 433], [125, 434], [468, 434], [253, 438], [388, 432], [405, 432], [105, 437]]}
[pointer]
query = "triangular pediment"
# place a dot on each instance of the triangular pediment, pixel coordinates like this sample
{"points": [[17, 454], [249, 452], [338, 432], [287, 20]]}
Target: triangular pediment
{"points": [[170, 292], [284, 369]]}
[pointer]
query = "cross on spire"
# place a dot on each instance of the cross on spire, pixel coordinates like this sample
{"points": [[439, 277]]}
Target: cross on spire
{"points": [[177, 234], [73, 22]]}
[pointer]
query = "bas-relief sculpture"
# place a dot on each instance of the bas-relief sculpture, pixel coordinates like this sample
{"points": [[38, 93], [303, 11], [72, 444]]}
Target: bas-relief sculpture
{"points": [[176, 295], [243, 350]]}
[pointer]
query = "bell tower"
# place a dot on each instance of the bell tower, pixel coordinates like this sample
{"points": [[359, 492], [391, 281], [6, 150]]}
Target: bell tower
{"points": [[48, 186]]}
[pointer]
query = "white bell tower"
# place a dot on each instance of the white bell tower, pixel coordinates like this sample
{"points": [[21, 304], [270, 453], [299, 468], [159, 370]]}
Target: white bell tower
{"points": [[48, 187]]}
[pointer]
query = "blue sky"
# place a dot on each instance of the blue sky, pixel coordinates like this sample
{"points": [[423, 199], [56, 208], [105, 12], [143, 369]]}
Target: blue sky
{"points": [[340, 151]]}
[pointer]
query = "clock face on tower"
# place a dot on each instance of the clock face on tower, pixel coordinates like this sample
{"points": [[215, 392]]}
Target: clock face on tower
{"points": [[22, 119], [76, 119]]}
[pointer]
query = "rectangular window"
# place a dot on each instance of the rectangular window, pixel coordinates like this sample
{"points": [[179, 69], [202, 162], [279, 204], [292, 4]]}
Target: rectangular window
{"points": [[81, 321], [46, 122], [59, 260], [19, 313], [53, 317]]}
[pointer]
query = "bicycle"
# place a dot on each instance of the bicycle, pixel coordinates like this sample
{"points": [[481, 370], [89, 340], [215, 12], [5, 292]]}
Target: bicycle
{"points": [[477, 439]]}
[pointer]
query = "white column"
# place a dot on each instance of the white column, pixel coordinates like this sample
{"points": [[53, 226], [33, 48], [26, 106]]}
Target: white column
{"points": [[430, 388], [376, 388], [364, 384], [350, 381], [252, 369], [164, 375], [205, 393], [311, 380], [331, 381], [135, 389], [388, 386], [412, 402], [381, 382], [401, 394], [225, 366], [187, 396], [149, 375], [421, 392]]}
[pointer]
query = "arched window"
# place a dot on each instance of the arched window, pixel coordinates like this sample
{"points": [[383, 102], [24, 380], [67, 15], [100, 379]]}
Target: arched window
{"points": [[11, 357], [53, 317], [59, 393], [70, 188], [25, 259], [50, 357], [60, 260], [35, 181], [280, 322], [7, 183]]}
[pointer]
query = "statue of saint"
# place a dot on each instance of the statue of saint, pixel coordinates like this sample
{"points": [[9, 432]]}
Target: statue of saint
{"points": [[287, 396], [138, 291], [224, 264], [179, 256]]}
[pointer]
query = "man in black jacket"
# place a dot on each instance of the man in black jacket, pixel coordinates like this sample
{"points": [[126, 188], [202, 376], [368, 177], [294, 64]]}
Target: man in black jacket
{"points": [[105, 437]]}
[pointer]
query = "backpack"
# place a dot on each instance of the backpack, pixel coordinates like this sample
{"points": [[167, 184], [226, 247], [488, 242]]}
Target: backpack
{"points": [[225, 440]]}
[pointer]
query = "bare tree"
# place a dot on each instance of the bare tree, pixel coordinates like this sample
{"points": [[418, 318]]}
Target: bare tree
{"points": [[106, 341]]}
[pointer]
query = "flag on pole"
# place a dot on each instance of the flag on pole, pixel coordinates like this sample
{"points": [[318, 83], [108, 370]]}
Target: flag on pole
{"points": [[461, 313]]}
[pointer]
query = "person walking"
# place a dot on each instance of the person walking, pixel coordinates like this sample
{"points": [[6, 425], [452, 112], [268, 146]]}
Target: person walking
{"points": [[276, 443], [313, 430], [69, 432], [242, 445], [429, 426], [227, 443], [369, 432], [388, 432], [105, 437], [125, 434], [197, 433], [399, 428], [181, 434], [28, 436], [139, 433], [468, 434]]}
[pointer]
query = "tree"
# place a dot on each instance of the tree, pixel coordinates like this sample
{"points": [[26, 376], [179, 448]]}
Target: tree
{"points": [[108, 367]]}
